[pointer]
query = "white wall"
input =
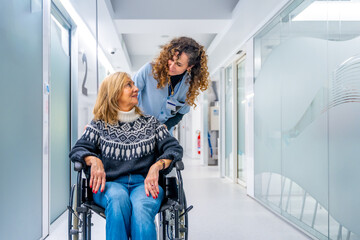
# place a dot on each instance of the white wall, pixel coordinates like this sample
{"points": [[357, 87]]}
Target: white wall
{"points": [[191, 122]]}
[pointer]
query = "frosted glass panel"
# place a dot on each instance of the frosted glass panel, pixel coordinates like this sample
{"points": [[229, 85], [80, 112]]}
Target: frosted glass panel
{"points": [[307, 114], [21, 74], [103, 31], [344, 130], [87, 63], [59, 120], [228, 123], [267, 113], [241, 171]]}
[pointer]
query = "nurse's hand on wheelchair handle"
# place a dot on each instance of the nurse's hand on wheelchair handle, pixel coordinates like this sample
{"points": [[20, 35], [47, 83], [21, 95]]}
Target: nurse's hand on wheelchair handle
{"points": [[97, 173]]}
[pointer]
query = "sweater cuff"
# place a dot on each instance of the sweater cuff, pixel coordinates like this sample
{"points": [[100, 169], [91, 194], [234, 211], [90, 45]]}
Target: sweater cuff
{"points": [[81, 157]]}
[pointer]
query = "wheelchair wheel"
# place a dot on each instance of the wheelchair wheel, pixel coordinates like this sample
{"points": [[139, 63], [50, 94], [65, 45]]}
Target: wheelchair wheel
{"points": [[72, 219], [167, 229], [184, 222]]}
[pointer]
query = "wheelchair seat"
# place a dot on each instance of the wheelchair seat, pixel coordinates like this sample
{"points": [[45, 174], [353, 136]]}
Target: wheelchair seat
{"points": [[172, 218]]}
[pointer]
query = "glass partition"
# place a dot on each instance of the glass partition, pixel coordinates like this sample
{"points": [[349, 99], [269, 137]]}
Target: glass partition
{"points": [[344, 117], [89, 65], [87, 60], [21, 97], [241, 164], [109, 46], [24, 68], [229, 165], [307, 95], [93, 22], [59, 117]]}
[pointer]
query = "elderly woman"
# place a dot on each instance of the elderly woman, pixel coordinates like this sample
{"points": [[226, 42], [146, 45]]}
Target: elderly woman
{"points": [[125, 151]]}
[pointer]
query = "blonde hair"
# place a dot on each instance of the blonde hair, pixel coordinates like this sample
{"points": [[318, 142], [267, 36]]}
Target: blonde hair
{"points": [[106, 106]]}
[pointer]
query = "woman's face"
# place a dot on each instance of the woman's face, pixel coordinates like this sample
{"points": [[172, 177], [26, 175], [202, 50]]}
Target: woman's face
{"points": [[178, 66], [128, 97]]}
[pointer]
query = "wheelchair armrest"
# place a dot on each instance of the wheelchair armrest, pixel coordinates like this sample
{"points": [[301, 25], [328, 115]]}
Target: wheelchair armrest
{"points": [[78, 166], [179, 165]]}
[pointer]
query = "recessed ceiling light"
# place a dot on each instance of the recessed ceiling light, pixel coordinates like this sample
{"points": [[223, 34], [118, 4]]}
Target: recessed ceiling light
{"points": [[164, 36]]}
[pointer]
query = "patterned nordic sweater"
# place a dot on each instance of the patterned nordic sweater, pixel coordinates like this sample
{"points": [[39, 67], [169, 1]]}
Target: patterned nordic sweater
{"points": [[127, 147]]}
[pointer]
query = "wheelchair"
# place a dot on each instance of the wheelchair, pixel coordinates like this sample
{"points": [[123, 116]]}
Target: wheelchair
{"points": [[171, 221]]}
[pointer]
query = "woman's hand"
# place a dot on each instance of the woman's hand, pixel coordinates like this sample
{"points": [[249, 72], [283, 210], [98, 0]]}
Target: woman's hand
{"points": [[151, 181], [97, 173]]}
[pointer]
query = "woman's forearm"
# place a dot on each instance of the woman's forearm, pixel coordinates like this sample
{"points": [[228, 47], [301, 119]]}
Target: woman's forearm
{"points": [[89, 160], [163, 164]]}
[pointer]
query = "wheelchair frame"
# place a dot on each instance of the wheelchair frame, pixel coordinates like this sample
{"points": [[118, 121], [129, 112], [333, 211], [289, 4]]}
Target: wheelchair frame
{"points": [[171, 220]]}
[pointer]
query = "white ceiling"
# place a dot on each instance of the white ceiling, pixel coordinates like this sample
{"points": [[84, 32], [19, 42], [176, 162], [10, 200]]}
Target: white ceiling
{"points": [[142, 26], [133, 30], [171, 9]]}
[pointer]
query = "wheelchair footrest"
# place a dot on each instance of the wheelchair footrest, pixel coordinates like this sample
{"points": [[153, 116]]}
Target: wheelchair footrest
{"points": [[81, 209], [74, 231], [169, 204], [99, 210], [165, 207], [186, 210]]}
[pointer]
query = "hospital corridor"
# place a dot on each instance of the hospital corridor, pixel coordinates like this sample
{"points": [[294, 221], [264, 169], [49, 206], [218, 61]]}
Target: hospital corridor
{"points": [[180, 120]]}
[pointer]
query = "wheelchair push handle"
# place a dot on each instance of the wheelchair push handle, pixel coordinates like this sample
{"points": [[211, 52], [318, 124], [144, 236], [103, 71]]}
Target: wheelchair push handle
{"points": [[179, 165], [78, 166]]}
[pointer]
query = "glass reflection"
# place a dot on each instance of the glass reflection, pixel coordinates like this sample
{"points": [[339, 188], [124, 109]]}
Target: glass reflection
{"points": [[307, 92], [228, 123], [241, 165]]}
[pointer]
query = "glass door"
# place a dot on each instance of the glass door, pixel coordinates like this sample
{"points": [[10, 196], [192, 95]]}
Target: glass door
{"points": [[59, 116], [228, 123], [21, 69], [241, 160]]}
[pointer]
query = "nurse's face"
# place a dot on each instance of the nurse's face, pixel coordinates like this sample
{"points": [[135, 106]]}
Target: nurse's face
{"points": [[128, 97], [178, 65]]}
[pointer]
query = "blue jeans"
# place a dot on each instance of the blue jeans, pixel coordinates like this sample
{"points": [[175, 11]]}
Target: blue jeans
{"points": [[129, 212]]}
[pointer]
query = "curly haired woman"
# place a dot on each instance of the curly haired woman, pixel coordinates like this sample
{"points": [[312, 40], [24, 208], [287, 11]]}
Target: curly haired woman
{"points": [[169, 86]]}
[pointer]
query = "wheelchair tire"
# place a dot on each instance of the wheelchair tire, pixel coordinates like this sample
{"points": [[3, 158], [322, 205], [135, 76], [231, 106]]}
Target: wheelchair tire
{"points": [[184, 222], [167, 229], [72, 219]]}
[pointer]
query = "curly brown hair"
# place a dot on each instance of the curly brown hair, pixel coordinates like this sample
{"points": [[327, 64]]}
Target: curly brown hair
{"points": [[199, 79]]}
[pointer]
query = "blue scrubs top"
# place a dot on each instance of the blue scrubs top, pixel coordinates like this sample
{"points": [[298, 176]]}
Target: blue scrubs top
{"points": [[157, 101]]}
